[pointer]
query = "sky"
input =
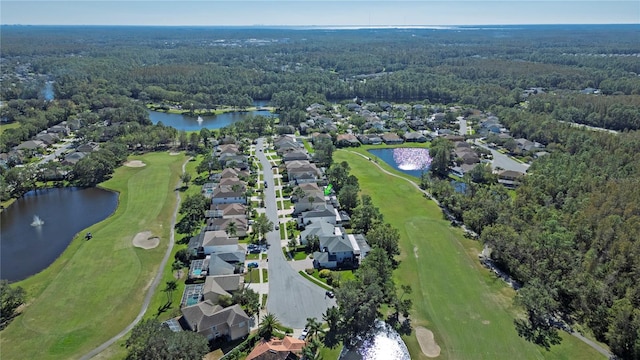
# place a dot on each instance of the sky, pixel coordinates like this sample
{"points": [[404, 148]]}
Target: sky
{"points": [[318, 12]]}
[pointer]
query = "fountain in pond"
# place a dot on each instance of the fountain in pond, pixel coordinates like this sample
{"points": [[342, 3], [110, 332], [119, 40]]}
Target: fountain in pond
{"points": [[37, 221], [384, 343], [200, 120]]}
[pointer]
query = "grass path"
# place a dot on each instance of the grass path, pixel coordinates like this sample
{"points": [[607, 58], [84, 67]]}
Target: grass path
{"points": [[469, 310], [95, 288]]}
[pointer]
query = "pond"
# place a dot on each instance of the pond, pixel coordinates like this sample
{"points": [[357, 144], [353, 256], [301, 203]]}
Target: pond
{"points": [[195, 123], [26, 249], [411, 161], [384, 344]]}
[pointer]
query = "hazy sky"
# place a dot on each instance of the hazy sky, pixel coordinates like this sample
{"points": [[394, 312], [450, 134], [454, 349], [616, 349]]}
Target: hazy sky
{"points": [[318, 12]]}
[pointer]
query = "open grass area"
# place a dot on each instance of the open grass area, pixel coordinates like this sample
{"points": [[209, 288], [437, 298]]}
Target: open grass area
{"points": [[95, 289], [4, 126], [469, 310]]}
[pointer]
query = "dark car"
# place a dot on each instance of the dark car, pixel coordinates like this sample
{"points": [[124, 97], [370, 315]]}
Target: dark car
{"points": [[330, 294]]}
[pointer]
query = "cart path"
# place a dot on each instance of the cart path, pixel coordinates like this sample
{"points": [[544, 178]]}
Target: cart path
{"points": [[154, 284]]}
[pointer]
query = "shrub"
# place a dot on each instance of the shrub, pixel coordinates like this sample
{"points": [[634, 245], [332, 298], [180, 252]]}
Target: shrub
{"points": [[324, 273], [310, 271]]}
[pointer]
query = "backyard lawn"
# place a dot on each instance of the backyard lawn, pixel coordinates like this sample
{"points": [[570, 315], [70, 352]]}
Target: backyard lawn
{"points": [[96, 288], [468, 309]]}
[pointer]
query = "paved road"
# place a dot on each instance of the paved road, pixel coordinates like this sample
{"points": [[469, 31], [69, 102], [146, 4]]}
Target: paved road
{"points": [[59, 151], [152, 288], [463, 125], [503, 161], [292, 298]]}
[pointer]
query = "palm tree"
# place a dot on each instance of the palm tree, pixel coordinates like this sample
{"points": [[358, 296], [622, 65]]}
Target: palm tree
{"points": [[310, 352], [269, 324], [314, 327], [232, 229], [169, 288]]}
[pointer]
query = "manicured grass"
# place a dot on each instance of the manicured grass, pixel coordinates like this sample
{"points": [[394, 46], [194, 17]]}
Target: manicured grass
{"points": [[264, 300], [307, 146], [328, 353], [282, 232], [252, 276], [253, 256], [313, 280], [469, 310], [265, 275], [13, 125], [300, 255], [95, 289]]}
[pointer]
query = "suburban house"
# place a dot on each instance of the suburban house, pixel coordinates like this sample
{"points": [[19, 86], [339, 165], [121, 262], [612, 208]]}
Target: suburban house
{"points": [[59, 129], [216, 286], [322, 212], [31, 145], [370, 139], [216, 266], [308, 201], [91, 146], [317, 136], [225, 195], [295, 155], [288, 348], [302, 171], [234, 160], [213, 321], [391, 139], [222, 224], [510, 178], [73, 158], [319, 229], [226, 211], [215, 242], [347, 140], [341, 250], [414, 136], [48, 139]]}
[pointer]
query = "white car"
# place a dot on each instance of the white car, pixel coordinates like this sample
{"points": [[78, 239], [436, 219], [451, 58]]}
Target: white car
{"points": [[304, 334]]}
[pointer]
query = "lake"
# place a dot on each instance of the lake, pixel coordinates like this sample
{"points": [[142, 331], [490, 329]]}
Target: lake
{"points": [[195, 123], [411, 161], [26, 250], [384, 344]]}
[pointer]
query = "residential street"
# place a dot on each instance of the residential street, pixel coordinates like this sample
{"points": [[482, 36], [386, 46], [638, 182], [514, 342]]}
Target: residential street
{"points": [[503, 161], [292, 298]]}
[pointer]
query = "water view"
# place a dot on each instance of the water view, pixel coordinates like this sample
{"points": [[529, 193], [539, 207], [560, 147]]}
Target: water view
{"points": [[384, 344], [411, 161], [38, 227], [195, 123]]}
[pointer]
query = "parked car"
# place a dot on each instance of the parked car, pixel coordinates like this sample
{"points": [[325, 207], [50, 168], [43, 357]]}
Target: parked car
{"points": [[252, 265], [330, 294], [277, 227], [304, 334]]}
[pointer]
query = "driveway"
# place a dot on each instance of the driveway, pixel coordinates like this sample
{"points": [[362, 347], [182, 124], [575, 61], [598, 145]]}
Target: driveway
{"points": [[292, 298], [503, 161]]}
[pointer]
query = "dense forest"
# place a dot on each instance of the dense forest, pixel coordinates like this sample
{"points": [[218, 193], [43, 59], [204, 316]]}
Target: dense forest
{"points": [[569, 233]]}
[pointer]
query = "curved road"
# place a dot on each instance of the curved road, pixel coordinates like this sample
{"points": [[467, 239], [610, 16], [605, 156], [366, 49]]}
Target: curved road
{"points": [[594, 345], [292, 298], [154, 284]]}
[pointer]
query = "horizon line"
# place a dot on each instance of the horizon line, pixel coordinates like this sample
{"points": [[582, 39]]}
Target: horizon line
{"points": [[350, 26]]}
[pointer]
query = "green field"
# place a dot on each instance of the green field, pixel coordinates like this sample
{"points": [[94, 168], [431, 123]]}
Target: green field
{"points": [[96, 288], [469, 310]]}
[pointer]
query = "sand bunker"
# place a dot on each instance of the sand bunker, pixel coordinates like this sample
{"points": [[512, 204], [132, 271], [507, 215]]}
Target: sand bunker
{"points": [[145, 240], [427, 342], [134, 163]]}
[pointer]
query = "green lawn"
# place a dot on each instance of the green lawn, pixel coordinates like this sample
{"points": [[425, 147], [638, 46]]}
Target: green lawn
{"points": [[252, 276], [469, 310], [307, 146], [13, 125], [95, 289], [265, 275]]}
